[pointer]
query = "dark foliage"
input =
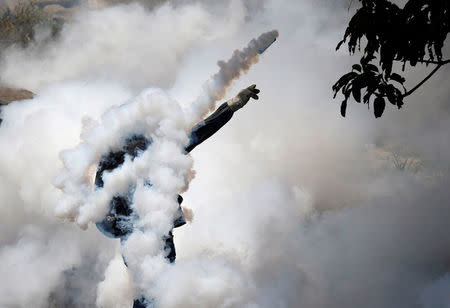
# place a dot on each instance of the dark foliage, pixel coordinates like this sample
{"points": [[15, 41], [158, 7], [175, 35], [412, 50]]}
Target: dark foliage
{"points": [[414, 34]]}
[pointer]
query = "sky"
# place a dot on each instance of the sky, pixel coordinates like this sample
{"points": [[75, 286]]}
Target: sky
{"points": [[292, 205]]}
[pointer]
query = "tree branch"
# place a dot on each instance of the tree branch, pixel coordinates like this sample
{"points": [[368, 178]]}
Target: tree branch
{"points": [[435, 62], [423, 81]]}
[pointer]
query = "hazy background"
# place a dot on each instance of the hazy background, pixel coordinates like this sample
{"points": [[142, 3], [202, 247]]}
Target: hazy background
{"points": [[294, 206]]}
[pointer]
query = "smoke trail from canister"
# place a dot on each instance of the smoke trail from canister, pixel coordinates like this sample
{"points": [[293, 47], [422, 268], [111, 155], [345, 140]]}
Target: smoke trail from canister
{"points": [[240, 62]]}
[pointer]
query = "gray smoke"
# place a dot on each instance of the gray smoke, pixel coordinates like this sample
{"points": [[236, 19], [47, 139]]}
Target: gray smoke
{"points": [[294, 206]]}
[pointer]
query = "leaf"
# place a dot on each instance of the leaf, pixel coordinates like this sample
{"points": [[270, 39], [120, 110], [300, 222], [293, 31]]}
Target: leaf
{"points": [[366, 59], [343, 107], [339, 44], [390, 94], [367, 96], [371, 67], [347, 90], [345, 79], [386, 57], [378, 106], [357, 67], [371, 88], [397, 77], [356, 91], [364, 80], [399, 102]]}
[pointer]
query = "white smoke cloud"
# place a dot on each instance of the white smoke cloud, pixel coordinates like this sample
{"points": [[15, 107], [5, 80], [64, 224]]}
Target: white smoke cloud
{"points": [[115, 290], [292, 209], [122, 45], [160, 119], [37, 250]]}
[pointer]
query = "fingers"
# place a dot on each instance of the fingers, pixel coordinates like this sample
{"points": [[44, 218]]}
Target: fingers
{"points": [[249, 92], [242, 98], [253, 91]]}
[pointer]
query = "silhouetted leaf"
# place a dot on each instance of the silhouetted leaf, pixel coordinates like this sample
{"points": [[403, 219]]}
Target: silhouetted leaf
{"points": [[344, 80], [339, 44], [397, 77], [347, 90], [370, 67], [390, 94], [357, 67], [366, 59], [378, 106], [343, 108], [399, 102], [386, 58], [366, 97], [356, 91], [364, 80]]}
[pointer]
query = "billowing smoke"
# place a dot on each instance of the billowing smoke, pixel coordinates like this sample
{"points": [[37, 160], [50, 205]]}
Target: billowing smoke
{"points": [[156, 116], [294, 206], [159, 118]]}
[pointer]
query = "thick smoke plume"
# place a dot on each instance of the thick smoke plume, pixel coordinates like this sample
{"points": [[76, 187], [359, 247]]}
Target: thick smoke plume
{"points": [[294, 206], [240, 62]]}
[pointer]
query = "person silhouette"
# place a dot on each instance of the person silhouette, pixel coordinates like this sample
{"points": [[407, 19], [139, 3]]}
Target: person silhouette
{"points": [[121, 218]]}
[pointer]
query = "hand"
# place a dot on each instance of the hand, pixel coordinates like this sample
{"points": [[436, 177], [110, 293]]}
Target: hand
{"points": [[243, 97]]}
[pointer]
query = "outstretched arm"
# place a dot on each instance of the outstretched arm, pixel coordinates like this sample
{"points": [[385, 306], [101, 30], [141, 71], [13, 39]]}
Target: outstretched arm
{"points": [[220, 117]]}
